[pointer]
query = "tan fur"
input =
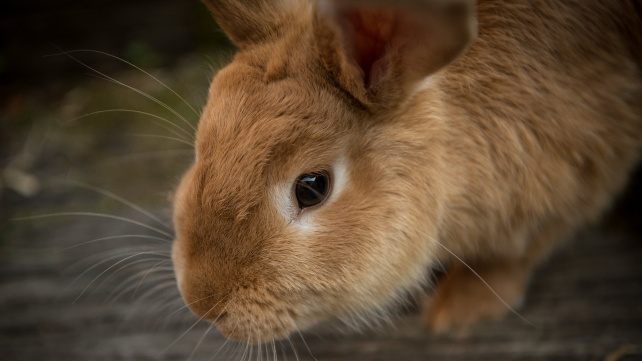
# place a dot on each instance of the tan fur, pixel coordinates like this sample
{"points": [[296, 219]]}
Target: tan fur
{"points": [[503, 154]]}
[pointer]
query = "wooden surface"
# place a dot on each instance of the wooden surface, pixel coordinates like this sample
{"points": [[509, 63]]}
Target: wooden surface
{"points": [[586, 302]]}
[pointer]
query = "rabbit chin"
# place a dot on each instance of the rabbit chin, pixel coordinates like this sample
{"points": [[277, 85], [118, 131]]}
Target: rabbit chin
{"points": [[255, 323]]}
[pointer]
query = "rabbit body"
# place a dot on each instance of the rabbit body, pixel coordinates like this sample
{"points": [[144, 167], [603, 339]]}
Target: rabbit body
{"points": [[447, 141]]}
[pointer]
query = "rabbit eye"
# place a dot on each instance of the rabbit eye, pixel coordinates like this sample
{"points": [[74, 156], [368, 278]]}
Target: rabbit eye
{"points": [[312, 188]]}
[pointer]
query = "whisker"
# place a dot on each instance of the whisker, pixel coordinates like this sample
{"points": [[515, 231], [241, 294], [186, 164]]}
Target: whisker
{"points": [[159, 288], [162, 283], [239, 347], [305, 343], [147, 273], [135, 67], [150, 97], [296, 355], [273, 347], [180, 140], [247, 343], [99, 256], [200, 341], [98, 259], [248, 346], [191, 327], [187, 134], [124, 283], [140, 156], [129, 284], [92, 214], [224, 343], [191, 303], [113, 237], [110, 267], [167, 305], [511, 309], [285, 357]]}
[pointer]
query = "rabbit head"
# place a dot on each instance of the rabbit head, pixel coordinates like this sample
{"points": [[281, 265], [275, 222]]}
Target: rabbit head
{"points": [[312, 191]]}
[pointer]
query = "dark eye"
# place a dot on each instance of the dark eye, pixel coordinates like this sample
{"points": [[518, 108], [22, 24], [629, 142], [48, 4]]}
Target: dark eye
{"points": [[312, 188]]}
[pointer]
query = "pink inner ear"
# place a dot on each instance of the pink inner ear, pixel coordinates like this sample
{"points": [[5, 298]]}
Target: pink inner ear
{"points": [[375, 32]]}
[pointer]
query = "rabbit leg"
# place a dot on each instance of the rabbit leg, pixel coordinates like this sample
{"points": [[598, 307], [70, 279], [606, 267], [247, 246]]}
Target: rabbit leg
{"points": [[463, 299]]}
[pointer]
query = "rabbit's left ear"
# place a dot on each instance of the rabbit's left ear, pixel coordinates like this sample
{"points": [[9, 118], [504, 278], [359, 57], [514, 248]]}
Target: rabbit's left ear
{"points": [[249, 22], [381, 50]]}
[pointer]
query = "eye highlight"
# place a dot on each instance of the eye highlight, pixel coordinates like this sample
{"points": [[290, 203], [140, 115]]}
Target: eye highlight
{"points": [[312, 188]]}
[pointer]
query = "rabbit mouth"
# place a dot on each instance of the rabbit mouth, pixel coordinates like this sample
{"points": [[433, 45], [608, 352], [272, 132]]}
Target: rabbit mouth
{"points": [[255, 322]]}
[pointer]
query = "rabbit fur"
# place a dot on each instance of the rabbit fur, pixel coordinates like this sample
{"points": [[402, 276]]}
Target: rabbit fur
{"points": [[453, 131]]}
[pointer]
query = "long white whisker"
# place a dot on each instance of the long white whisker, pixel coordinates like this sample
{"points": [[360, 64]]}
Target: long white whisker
{"points": [[110, 267], [125, 285], [285, 357], [143, 156], [137, 68], [191, 327], [155, 100], [180, 140], [158, 288], [224, 343], [273, 347], [129, 284], [260, 351], [187, 134], [93, 266], [247, 343], [166, 306], [296, 355], [239, 346], [146, 274], [114, 237], [486, 284], [92, 214], [191, 303], [200, 341], [306, 344], [161, 283]]}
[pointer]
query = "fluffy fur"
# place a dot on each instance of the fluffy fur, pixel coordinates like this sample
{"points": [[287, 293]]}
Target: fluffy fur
{"points": [[501, 154]]}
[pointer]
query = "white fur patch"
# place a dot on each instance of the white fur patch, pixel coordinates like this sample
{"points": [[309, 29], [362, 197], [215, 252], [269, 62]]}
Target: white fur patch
{"points": [[340, 179], [425, 83], [282, 199]]}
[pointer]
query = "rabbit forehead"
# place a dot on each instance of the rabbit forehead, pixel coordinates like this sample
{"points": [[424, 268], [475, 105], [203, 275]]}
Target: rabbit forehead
{"points": [[242, 102], [252, 131]]}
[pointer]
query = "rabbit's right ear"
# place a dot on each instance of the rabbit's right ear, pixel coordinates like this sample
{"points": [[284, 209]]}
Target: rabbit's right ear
{"points": [[381, 50], [248, 22]]}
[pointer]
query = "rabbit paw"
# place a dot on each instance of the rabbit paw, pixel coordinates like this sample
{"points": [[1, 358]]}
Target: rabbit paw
{"points": [[462, 299]]}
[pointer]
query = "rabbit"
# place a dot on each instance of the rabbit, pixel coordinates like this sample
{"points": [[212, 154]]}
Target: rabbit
{"points": [[351, 146]]}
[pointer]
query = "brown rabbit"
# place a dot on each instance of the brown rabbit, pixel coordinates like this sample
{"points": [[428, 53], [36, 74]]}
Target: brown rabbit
{"points": [[351, 146]]}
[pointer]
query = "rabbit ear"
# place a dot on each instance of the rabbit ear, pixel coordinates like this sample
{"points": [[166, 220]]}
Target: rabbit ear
{"points": [[248, 22], [380, 51]]}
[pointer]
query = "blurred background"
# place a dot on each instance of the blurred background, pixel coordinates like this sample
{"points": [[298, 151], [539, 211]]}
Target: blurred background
{"points": [[44, 92], [98, 102]]}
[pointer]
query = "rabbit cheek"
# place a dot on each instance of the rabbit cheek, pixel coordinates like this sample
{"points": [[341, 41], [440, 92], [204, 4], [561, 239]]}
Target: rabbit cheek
{"points": [[221, 283]]}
